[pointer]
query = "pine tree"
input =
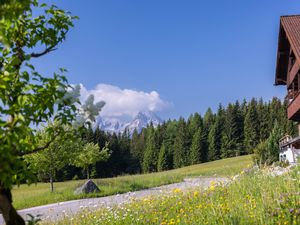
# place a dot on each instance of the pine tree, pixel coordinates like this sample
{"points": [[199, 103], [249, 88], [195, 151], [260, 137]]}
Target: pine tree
{"points": [[263, 118], [196, 154], [232, 136], [208, 122], [273, 144], [115, 159], [251, 127], [239, 117], [136, 149], [151, 152], [162, 162], [180, 146], [195, 122], [274, 115], [169, 138], [215, 136]]}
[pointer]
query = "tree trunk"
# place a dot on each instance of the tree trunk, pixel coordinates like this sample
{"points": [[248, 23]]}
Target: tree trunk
{"points": [[51, 183], [10, 215]]}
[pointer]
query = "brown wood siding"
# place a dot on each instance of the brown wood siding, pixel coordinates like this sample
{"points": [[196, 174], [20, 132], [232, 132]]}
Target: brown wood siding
{"points": [[294, 109], [292, 74]]}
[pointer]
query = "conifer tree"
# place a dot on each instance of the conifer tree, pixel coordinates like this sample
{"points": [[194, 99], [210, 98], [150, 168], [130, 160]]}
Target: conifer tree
{"points": [[272, 144], [180, 145], [162, 162], [196, 154], [208, 122], [136, 148], [215, 136], [232, 136], [169, 138], [274, 113], [151, 152], [194, 123], [251, 128], [263, 118]]}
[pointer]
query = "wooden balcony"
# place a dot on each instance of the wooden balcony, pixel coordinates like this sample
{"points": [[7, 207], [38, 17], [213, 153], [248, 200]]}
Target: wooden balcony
{"points": [[293, 73], [294, 108]]}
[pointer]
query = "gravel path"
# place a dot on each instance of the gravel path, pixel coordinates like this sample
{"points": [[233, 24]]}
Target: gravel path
{"points": [[59, 210]]}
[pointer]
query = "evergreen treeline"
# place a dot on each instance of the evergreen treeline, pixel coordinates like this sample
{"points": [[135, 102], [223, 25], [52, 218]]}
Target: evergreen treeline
{"points": [[231, 131]]}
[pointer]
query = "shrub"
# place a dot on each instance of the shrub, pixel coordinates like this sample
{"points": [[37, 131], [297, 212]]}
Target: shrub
{"points": [[267, 152]]}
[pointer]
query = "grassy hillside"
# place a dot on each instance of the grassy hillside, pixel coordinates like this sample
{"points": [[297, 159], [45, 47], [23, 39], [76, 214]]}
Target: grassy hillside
{"points": [[39, 194], [255, 198]]}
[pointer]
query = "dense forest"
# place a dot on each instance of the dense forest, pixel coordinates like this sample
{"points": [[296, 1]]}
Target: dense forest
{"points": [[231, 131]]}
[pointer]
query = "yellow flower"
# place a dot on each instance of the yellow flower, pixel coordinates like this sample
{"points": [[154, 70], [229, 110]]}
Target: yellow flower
{"points": [[177, 190], [172, 221]]}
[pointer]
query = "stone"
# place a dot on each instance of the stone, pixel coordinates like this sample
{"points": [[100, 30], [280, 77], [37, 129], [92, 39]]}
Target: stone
{"points": [[88, 187]]}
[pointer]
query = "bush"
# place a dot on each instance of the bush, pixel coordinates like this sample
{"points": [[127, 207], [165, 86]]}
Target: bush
{"points": [[260, 153], [267, 152]]}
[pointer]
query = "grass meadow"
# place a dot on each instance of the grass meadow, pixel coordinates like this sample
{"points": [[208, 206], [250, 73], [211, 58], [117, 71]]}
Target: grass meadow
{"points": [[254, 198], [26, 196]]}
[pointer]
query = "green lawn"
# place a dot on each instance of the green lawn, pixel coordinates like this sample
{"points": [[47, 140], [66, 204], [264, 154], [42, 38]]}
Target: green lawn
{"points": [[39, 194]]}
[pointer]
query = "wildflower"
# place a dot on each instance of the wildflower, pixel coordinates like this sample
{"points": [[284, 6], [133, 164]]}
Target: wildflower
{"points": [[196, 193], [172, 222], [177, 190]]}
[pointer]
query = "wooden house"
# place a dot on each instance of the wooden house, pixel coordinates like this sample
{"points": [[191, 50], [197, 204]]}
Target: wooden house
{"points": [[288, 74]]}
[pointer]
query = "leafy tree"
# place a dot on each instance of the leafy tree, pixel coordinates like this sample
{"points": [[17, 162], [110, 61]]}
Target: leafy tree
{"points": [[88, 155], [46, 163], [28, 98]]}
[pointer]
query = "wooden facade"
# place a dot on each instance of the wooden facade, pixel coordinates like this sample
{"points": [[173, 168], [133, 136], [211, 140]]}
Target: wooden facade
{"points": [[288, 63]]}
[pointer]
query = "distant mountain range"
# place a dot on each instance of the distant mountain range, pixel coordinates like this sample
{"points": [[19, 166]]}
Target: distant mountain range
{"points": [[117, 125]]}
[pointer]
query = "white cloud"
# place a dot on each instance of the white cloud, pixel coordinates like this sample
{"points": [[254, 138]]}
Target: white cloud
{"points": [[124, 102]]}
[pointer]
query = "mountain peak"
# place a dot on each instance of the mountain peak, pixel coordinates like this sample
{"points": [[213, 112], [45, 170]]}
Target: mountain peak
{"points": [[140, 121]]}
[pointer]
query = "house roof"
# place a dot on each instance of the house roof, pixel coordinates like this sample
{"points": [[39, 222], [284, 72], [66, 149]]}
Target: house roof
{"points": [[289, 37]]}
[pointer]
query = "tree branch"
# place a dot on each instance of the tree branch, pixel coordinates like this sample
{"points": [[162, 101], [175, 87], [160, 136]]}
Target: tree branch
{"points": [[47, 50], [41, 148]]}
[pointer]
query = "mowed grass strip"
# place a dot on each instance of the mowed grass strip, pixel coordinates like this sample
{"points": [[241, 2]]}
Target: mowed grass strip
{"points": [[39, 194]]}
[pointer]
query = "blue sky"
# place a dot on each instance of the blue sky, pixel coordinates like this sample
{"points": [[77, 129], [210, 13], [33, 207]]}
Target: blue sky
{"points": [[193, 54]]}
